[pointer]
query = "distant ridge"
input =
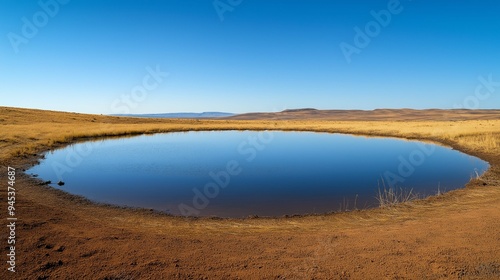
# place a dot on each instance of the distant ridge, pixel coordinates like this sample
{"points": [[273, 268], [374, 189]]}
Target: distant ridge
{"points": [[204, 115], [373, 115], [299, 110]]}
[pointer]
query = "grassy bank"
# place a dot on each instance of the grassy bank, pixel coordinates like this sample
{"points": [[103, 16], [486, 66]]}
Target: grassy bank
{"points": [[26, 132]]}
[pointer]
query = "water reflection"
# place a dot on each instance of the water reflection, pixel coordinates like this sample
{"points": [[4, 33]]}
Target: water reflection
{"points": [[236, 174]]}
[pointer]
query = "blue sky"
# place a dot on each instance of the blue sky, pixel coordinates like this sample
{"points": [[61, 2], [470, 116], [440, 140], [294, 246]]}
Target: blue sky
{"points": [[86, 56]]}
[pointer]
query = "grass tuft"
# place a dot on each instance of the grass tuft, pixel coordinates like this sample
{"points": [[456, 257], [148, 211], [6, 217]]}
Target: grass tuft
{"points": [[387, 197]]}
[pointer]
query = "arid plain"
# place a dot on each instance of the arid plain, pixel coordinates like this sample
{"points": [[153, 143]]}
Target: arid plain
{"points": [[60, 236]]}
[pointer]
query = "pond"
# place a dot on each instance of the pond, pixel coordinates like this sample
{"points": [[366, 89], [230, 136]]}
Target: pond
{"points": [[252, 173]]}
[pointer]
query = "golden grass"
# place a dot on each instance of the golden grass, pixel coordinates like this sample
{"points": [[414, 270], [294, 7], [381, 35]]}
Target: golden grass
{"points": [[392, 196], [26, 132]]}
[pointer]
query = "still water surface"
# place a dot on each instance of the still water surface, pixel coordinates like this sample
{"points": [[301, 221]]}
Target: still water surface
{"points": [[237, 174]]}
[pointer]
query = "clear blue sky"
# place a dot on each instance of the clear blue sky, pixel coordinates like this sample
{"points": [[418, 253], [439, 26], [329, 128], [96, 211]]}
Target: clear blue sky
{"points": [[263, 56]]}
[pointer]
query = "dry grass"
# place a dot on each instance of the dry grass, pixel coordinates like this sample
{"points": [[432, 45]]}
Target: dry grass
{"points": [[489, 142], [392, 196], [26, 132]]}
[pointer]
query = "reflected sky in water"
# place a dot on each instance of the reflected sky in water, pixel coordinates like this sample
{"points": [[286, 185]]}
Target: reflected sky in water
{"points": [[280, 173]]}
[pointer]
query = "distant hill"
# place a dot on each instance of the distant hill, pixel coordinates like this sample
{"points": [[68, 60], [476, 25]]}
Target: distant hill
{"points": [[373, 115], [299, 110], [204, 115], [339, 115]]}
